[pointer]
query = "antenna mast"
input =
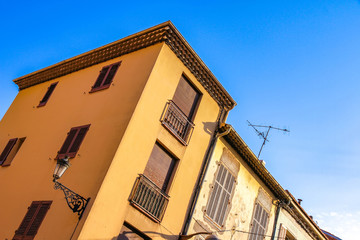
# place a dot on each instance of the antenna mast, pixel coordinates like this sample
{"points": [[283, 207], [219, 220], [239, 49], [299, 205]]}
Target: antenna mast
{"points": [[263, 135]]}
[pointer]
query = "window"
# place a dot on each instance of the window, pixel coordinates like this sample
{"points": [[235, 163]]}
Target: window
{"points": [[186, 98], [129, 232], [284, 234], [149, 194], [105, 77], [219, 201], [73, 141], [180, 111], [259, 223], [160, 167], [10, 150], [32, 220], [47, 94]]}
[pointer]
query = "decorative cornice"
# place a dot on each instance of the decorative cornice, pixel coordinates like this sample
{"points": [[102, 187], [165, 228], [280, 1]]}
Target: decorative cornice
{"points": [[294, 209], [165, 32], [250, 158]]}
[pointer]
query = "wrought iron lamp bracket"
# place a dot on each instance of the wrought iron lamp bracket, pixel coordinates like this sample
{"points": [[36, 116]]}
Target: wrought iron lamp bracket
{"points": [[76, 202]]}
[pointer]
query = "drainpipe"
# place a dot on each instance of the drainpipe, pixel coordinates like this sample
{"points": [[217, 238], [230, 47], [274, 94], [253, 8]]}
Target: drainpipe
{"points": [[222, 115], [279, 205]]}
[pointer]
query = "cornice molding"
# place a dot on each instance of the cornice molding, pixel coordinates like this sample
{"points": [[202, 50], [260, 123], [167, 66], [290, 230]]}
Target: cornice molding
{"points": [[163, 33], [294, 209], [250, 158]]}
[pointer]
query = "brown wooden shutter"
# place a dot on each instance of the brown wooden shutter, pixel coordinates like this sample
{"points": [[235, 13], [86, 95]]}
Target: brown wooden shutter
{"points": [[105, 77], [101, 77], [186, 97], [282, 232], [13, 152], [47, 94], [111, 74], [69, 139], [159, 167], [32, 220], [7, 150], [73, 141]]}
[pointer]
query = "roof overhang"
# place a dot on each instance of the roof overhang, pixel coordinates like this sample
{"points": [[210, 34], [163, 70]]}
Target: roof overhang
{"points": [[254, 163], [289, 202], [165, 32]]}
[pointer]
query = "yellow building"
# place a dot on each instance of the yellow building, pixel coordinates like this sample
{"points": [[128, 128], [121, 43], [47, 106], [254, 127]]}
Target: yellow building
{"points": [[240, 200], [141, 122], [135, 117]]}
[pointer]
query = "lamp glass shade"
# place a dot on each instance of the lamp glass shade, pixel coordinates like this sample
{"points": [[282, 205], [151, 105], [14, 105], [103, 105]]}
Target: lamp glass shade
{"points": [[61, 166]]}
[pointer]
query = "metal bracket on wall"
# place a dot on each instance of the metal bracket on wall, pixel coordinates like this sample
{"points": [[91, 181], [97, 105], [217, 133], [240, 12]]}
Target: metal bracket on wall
{"points": [[76, 202]]}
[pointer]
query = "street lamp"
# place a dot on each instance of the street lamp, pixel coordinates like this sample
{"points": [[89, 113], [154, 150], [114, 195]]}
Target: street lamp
{"points": [[76, 202]]}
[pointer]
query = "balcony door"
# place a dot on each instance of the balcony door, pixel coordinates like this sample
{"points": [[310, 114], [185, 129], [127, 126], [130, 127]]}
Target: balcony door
{"points": [[186, 98], [160, 167]]}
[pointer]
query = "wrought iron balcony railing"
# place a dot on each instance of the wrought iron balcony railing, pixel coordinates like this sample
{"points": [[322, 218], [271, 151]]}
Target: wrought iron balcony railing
{"points": [[149, 198], [177, 122]]}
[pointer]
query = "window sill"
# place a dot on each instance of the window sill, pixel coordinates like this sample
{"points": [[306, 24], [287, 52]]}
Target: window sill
{"points": [[99, 88]]}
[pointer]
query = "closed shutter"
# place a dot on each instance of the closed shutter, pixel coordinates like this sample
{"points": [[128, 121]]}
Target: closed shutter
{"points": [[159, 167], [13, 151], [111, 74], [282, 232], [32, 220], [72, 142], [219, 200], [105, 77], [47, 94], [186, 98], [7, 150], [259, 223], [69, 139], [101, 77]]}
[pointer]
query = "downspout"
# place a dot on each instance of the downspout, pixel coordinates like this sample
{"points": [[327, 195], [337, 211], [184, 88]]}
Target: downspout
{"points": [[279, 205], [222, 115]]}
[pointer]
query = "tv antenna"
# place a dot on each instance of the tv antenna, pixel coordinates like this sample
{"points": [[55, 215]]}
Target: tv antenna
{"points": [[263, 134]]}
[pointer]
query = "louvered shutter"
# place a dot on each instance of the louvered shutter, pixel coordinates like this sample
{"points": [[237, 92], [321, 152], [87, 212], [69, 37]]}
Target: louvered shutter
{"points": [[73, 141], [7, 150], [259, 223], [186, 97], [105, 77], [65, 147], [219, 200], [101, 77], [78, 140], [32, 220], [47, 94], [282, 232], [111, 74]]}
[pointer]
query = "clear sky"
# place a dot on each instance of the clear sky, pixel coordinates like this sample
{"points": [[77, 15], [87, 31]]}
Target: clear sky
{"points": [[293, 64]]}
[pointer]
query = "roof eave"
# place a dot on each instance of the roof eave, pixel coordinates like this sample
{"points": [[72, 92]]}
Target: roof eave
{"points": [[164, 32]]}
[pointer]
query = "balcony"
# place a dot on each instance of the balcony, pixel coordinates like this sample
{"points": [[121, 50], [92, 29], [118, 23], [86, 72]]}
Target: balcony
{"points": [[149, 198], [177, 122]]}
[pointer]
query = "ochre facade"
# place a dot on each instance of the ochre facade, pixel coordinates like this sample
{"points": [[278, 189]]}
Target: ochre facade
{"points": [[127, 117]]}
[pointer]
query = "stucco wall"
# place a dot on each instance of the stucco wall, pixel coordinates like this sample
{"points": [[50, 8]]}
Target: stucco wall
{"points": [[248, 190], [112, 207], [292, 226], [29, 178]]}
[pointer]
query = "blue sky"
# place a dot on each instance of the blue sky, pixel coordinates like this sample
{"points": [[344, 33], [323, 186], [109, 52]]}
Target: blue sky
{"points": [[292, 64]]}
